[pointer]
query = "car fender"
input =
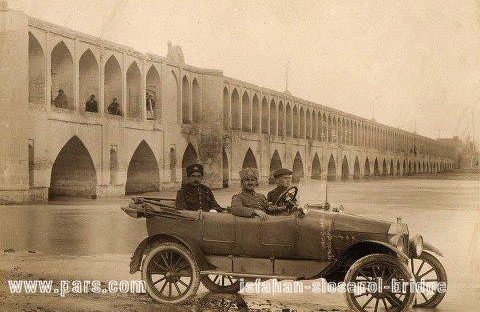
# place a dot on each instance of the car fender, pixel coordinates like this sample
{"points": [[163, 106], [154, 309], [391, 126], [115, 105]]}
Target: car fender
{"points": [[136, 258], [399, 253], [431, 248]]}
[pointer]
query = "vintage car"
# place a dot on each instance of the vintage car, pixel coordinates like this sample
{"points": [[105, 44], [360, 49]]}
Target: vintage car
{"points": [[219, 250]]}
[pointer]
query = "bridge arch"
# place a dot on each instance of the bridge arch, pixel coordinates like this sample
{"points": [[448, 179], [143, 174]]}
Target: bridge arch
{"points": [[186, 102], [36, 71], [289, 118], [345, 169], [332, 169], [398, 166], [196, 101], [356, 169], [88, 77], [143, 173], [392, 169], [226, 109], [246, 113], [273, 118], [189, 157], [297, 168], [302, 123], [134, 91], [376, 170], [316, 168], [366, 171], [281, 120], [384, 167], [296, 120], [73, 172], [112, 83], [154, 107], [265, 116], [249, 161], [255, 114], [236, 110], [275, 164], [62, 75]]}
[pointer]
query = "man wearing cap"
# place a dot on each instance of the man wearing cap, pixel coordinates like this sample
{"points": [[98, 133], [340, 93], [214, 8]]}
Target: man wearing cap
{"points": [[249, 203], [283, 178], [193, 195]]}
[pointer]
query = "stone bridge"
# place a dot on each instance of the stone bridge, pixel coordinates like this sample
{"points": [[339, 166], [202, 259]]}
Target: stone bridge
{"points": [[172, 114]]}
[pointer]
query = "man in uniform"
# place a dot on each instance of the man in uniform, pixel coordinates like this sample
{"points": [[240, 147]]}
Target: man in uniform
{"points": [[249, 203], [283, 179], [194, 195]]}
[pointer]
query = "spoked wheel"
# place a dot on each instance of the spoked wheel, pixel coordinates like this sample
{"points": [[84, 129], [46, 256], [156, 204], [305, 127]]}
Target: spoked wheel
{"points": [[221, 284], [428, 270], [369, 270], [170, 273]]}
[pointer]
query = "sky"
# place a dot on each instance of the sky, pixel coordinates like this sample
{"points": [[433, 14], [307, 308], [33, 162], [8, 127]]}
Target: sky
{"points": [[411, 64]]}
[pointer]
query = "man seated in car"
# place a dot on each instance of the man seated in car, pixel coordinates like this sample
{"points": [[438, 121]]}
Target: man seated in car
{"points": [[249, 203], [283, 179], [193, 195]]}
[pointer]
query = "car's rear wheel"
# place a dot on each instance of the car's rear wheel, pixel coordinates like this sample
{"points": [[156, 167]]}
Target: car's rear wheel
{"points": [[372, 269], [430, 271], [221, 284], [170, 273]]}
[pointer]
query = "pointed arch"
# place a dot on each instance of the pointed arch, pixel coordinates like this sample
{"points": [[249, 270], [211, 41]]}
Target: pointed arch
{"points": [[249, 161], [246, 113], [345, 169], [143, 173], [236, 110], [366, 171], [391, 167], [384, 167], [112, 83], [273, 118], [226, 109], [189, 157], [153, 105], [275, 164], [281, 120], [134, 93], [196, 102], [296, 119], [265, 116], [255, 114], [297, 168], [398, 167], [73, 172], [288, 126], [302, 123], [36, 71], [356, 169], [308, 125], [332, 169], [316, 168], [62, 76], [88, 78], [376, 169], [186, 101]]}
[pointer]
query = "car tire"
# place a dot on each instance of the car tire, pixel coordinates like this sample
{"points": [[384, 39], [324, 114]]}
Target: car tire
{"points": [[216, 284], [441, 276], [376, 265], [176, 268]]}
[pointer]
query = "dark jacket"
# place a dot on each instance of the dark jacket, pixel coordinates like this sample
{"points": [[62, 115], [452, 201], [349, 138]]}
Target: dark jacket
{"points": [[245, 203], [191, 197], [274, 194]]}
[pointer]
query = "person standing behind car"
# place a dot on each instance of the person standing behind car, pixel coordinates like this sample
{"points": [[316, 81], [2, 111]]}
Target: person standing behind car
{"points": [[193, 195]]}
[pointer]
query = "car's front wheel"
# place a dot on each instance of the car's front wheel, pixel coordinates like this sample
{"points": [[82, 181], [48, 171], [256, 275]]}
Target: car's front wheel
{"points": [[170, 273], [221, 284], [372, 277], [430, 272]]}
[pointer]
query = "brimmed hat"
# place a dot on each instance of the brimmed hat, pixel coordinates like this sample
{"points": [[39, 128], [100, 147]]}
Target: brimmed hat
{"points": [[281, 172], [194, 168]]}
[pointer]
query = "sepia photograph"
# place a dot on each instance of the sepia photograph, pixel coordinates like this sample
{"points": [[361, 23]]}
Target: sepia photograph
{"points": [[250, 155]]}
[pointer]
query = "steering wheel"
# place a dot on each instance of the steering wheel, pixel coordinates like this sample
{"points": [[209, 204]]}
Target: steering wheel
{"points": [[288, 197]]}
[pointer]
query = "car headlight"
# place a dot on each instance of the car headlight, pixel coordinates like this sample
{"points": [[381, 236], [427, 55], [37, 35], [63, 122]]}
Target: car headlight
{"points": [[416, 245], [398, 235]]}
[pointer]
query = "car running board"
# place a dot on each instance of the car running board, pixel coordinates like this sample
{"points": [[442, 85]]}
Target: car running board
{"points": [[250, 276]]}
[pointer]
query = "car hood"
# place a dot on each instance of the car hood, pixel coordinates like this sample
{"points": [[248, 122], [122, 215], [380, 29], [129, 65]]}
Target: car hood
{"points": [[352, 223]]}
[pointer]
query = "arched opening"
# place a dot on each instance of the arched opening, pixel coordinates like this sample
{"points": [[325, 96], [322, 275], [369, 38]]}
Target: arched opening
{"points": [[367, 168], [316, 168], [113, 166], [255, 115], [273, 118], [384, 167], [332, 169], [265, 117], [356, 169], [376, 170], [31, 164], [275, 164], [391, 167], [302, 123], [297, 168], [36, 71], [88, 81], [398, 167], [289, 121], [249, 160], [62, 77], [409, 167], [281, 120], [246, 113], [190, 157], [414, 167], [73, 172], [296, 119], [112, 83], [134, 94], [153, 107], [172, 157], [196, 105], [404, 168], [428, 169], [186, 107], [172, 107], [226, 175], [345, 169], [235, 110], [226, 109], [143, 173], [308, 125]]}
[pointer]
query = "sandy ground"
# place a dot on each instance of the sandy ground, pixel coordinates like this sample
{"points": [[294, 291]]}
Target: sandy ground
{"points": [[72, 240]]}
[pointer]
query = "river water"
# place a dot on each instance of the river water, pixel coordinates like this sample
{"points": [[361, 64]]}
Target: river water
{"points": [[445, 211]]}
